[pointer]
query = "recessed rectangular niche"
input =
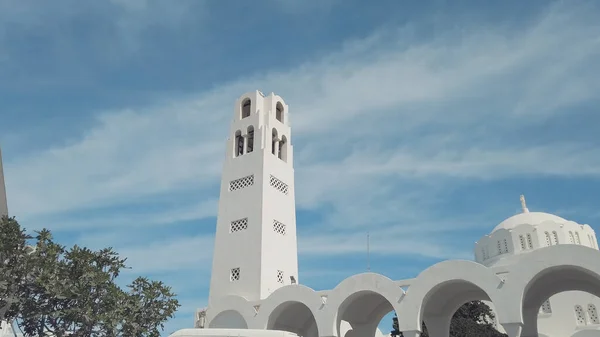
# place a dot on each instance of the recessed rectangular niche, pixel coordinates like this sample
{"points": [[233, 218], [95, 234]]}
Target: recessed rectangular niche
{"points": [[234, 275], [278, 185], [238, 225], [240, 183], [278, 227]]}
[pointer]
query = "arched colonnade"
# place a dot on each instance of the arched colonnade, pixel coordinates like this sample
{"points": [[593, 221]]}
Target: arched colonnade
{"points": [[433, 297]]}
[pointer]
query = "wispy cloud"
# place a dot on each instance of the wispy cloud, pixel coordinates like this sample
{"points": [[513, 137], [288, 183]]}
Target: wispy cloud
{"points": [[373, 90]]}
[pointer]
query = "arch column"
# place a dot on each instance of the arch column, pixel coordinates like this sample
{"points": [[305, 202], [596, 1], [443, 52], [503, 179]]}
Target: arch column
{"points": [[361, 330], [413, 333], [276, 147], [513, 329], [438, 326], [245, 150], [530, 318]]}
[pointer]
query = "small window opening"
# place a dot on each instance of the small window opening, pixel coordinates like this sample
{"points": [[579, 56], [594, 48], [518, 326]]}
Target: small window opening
{"points": [[555, 236], [234, 274], [279, 112], [529, 241], [246, 104], [505, 246], [577, 238], [548, 242], [546, 308], [250, 145]]}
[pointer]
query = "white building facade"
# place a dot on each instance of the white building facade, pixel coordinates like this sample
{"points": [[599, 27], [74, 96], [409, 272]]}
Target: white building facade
{"points": [[6, 328], [3, 202], [539, 272]]}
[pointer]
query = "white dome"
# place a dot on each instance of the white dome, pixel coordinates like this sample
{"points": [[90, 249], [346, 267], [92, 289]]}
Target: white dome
{"points": [[531, 218]]}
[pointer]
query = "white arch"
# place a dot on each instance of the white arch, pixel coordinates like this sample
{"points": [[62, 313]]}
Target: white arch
{"points": [[452, 282], [225, 306], [285, 296], [543, 263], [381, 291]]}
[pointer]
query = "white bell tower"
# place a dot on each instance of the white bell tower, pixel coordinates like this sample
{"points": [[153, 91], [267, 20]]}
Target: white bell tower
{"points": [[255, 249], [3, 203]]}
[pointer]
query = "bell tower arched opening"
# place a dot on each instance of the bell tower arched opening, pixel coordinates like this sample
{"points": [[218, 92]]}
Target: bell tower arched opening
{"points": [[250, 142], [238, 144], [279, 112], [283, 148], [246, 105]]}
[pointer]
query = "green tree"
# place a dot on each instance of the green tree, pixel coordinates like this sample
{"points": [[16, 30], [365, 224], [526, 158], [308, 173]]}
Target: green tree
{"points": [[73, 292], [14, 266], [473, 319], [146, 306]]}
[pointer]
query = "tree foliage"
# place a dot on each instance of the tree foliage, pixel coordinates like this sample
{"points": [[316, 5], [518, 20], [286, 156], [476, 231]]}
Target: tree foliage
{"points": [[473, 319], [73, 291], [14, 266]]}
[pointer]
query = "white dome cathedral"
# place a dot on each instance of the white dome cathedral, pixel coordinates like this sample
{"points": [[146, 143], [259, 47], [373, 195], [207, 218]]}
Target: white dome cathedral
{"points": [[528, 231], [565, 314]]}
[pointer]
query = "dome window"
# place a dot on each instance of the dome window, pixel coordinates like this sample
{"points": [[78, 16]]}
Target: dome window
{"points": [[522, 239], [580, 315], [571, 238], [529, 241], [555, 237], [593, 314]]}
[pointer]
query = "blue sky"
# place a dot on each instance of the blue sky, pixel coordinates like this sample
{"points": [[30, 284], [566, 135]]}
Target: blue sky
{"points": [[419, 122]]}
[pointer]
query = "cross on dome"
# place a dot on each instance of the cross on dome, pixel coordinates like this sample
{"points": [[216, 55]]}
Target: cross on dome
{"points": [[523, 204]]}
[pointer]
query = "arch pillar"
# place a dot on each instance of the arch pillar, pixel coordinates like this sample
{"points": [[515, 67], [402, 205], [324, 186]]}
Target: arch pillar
{"points": [[438, 326], [361, 330], [530, 320], [513, 329]]}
